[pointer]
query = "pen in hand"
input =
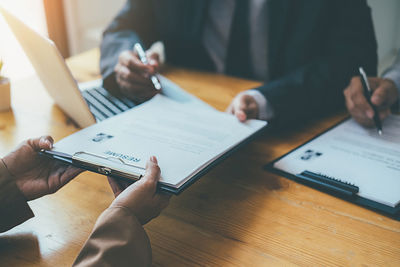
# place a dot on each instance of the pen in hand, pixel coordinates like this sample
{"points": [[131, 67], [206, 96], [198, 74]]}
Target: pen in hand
{"points": [[368, 94], [143, 58]]}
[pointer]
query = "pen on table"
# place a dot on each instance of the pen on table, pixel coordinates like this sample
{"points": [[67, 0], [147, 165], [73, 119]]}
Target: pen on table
{"points": [[142, 56], [368, 94]]}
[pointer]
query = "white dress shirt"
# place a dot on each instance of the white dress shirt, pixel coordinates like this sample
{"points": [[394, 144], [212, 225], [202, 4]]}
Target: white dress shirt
{"points": [[393, 73], [216, 39]]}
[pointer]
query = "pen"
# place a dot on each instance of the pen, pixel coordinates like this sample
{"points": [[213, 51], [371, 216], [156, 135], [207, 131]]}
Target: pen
{"points": [[368, 94], [142, 55]]}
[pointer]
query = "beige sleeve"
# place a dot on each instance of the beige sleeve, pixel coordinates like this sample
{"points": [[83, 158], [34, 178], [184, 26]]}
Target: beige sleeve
{"points": [[14, 209], [118, 239]]}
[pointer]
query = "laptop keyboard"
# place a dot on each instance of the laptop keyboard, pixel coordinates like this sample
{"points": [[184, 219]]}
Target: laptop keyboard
{"points": [[103, 105]]}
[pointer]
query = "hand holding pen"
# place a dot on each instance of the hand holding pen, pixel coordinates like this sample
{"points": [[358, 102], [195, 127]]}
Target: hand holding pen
{"points": [[136, 77], [360, 101], [143, 58], [368, 95]]}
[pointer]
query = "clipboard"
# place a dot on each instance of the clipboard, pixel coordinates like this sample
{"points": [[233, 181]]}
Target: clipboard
{"points": [[333, 186], [80, 162]]}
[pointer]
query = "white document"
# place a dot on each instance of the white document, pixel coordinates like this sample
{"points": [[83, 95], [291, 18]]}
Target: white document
{"points": [[355, 155], [184, 136], [176, 93]]}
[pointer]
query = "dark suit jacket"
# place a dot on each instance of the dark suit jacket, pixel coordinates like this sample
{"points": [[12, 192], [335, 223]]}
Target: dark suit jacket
{"points": [[315, 47]]}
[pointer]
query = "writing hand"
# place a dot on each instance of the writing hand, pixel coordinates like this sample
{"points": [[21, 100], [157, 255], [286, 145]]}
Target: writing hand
{"points": [[133, 77], [385, 94]]}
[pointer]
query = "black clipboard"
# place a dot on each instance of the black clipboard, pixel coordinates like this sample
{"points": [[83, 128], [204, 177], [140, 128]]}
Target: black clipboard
{"points": [[392, 212], [69, 160]]}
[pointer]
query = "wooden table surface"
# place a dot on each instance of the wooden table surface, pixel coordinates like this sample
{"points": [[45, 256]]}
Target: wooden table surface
{"points": [[237, 215]]}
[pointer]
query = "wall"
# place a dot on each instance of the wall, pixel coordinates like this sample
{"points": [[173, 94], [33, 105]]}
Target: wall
{"points": [[16, 64], [386, 16], [86, 20]]}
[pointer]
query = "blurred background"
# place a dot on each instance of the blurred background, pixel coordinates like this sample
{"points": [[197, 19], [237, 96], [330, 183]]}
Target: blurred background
{"points": [[76, 26]]}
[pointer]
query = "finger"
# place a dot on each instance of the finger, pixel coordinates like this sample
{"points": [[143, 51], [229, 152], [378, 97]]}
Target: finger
{"points": [[126, 74], [381, 98], [350, 106], [154, 58], [146, 69], [46, 142], [152, 175], [244, 109], [240, 108], [154, 61], [138, 78], [116, 187], [136, 88], [59, 174], [252, 110], [360, 117], [240, 115], [131, 60], [365, 122], [43, 142], [69, 174], [374, 82], [137, 93], [55, 177], [354, 91], [384, 113], [361, 105], [130, 80], [242, 103]]}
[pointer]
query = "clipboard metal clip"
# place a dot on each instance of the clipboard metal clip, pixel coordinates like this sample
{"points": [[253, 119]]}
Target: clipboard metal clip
{"points": [[80, 158]]}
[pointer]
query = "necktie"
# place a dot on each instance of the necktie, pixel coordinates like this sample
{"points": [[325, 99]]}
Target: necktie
{"points": [[238, 56]]}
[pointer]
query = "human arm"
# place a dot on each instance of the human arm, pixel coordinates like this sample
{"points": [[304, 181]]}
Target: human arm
{"points": [[14, 209], [25, 175], [393, 74], [386, 95], [118, 238], [121, 68], [251, 104], [312, 86]]}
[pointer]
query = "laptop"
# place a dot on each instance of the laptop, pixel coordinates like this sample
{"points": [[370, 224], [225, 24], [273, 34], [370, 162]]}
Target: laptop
{"points": [[86, 103]]}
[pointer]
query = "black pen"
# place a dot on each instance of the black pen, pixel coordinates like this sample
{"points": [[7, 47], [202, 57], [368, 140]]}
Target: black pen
{"points": [[368, 94]]}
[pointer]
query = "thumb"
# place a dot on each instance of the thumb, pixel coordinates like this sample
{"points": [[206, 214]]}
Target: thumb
{"points": [[153, 172], [379, 97], [241, 115], [154, 61], [44, 142], [116, 187], [242, 107], [154, 58]]}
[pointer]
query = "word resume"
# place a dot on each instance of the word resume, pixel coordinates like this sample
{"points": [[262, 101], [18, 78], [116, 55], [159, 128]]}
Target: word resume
{"points": [[184, 136]]}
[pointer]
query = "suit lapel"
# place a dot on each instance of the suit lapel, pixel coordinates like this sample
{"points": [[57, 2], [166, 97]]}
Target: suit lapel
{"points": [[278, 15]]}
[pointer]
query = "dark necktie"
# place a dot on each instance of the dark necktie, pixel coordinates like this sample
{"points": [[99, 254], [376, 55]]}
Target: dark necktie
{"points": [[238, 55]]}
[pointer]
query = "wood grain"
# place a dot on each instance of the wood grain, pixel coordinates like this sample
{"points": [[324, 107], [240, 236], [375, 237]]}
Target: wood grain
{"points": [[237, 215]]}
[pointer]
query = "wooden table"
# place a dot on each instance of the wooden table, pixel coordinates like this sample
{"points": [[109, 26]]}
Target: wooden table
{"points": [[237, 214]]}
